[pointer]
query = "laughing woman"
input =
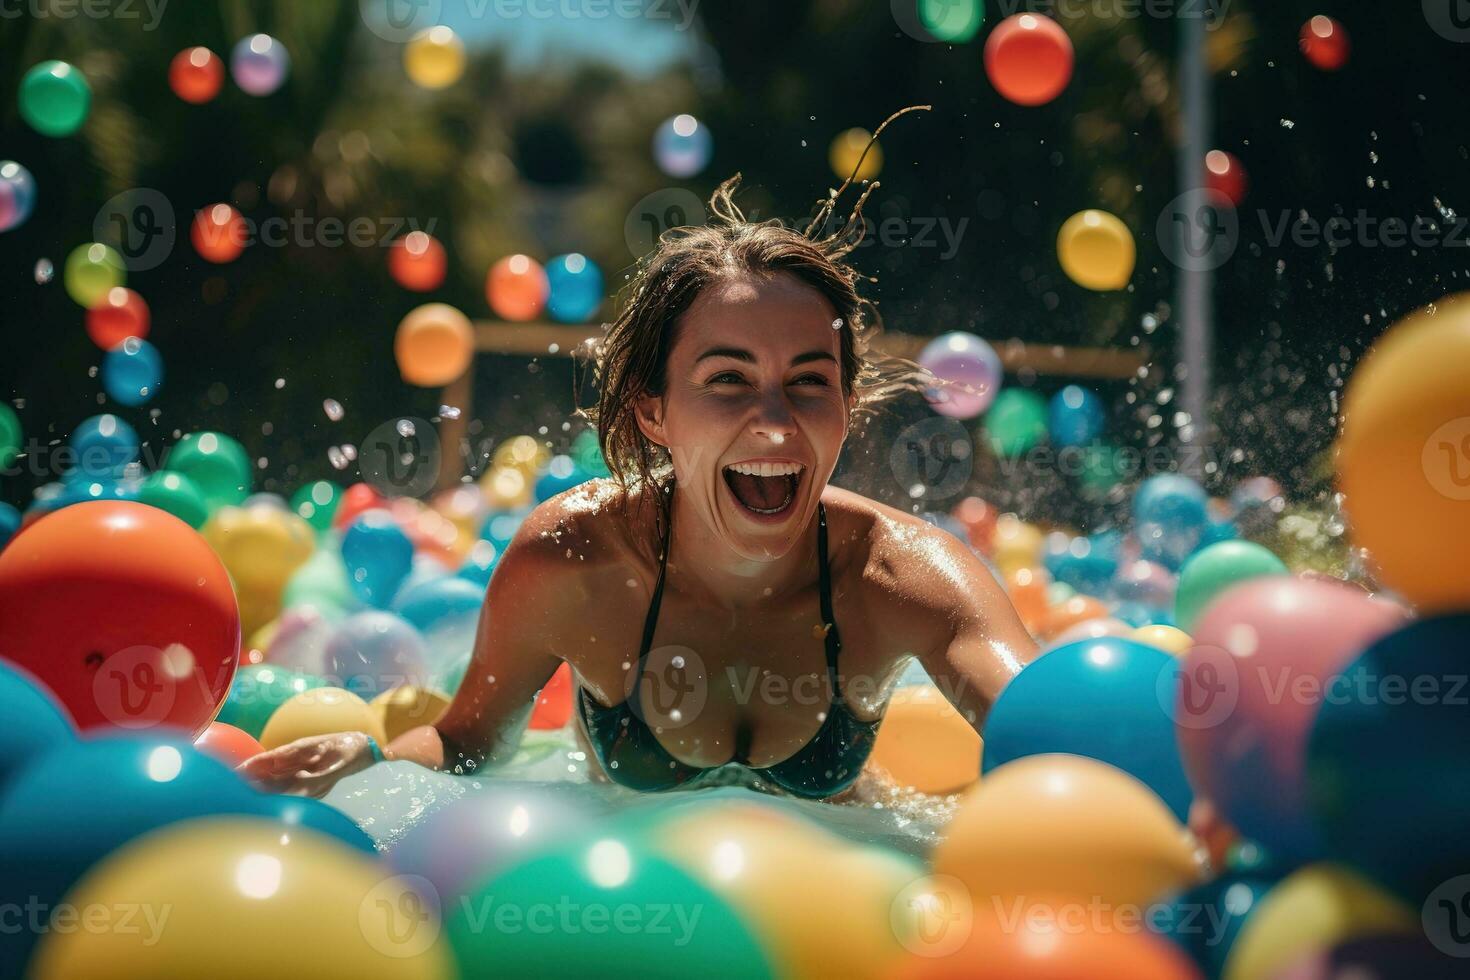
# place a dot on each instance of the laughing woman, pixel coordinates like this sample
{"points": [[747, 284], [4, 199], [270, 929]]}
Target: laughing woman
{"points": [[720, 604]]}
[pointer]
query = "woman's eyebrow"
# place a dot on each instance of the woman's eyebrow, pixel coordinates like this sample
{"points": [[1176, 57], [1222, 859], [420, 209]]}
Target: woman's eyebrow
{"points": [[740, 354]]}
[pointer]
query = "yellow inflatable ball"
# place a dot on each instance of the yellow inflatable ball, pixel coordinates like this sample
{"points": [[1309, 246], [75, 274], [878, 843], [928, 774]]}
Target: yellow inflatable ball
{"points": [[321, 711], [236, 897], [260, 546], [408, 707], [847, 149], [1068, 827], [1403, 458], [925, 743], [506, 488], [821, 906], [434, 345], [525, 453], [1017, 545], [1096, 250], [1316, 908], [1170, 639], [434, 58]]}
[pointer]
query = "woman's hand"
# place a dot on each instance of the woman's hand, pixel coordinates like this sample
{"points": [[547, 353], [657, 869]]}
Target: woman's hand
{"points": [[308, 766]]}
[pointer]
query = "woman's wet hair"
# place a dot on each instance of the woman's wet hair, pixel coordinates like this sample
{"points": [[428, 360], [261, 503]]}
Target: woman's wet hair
{"points": [[632, 357]]}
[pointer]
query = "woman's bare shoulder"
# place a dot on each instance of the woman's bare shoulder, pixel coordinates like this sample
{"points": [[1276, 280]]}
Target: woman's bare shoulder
{"points": [[580, 536]]}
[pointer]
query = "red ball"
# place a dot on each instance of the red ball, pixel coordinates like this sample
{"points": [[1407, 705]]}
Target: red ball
{"points": [[417, 261], [218, 233], [1029, 59], [227, 743], [124, 612], [356, 499], [121, 314], [196, 75], [1225, 175], [1325, 43], [554, 703]]}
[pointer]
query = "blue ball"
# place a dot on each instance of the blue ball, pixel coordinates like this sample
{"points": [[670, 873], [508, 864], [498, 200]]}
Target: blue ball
{"points": [[1076, 417], [576, 287], [1217, 531], [9, 523], [302, 811], [132, 372], [378, 556], [34, 721], [104, 445], [73, 806], [1170, 500], [480, 565], [1085, 566], [501, 526], [1205, 922], [562, 474], [20, 188], [1119, 701], [682, 146], [1386, 771], [430, 603]]}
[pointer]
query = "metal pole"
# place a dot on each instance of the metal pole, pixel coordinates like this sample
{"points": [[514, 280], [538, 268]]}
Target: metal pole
{"points": [[1195, 308]]}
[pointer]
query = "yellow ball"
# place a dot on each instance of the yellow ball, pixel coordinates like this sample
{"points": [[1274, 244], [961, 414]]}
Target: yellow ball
{"points": [[239, 897], [261, 546], [847, 148], [91, 271], [1068, 828], [925, 743], [321, 711], [434, 58], [525, 453], [408, 707], [1170, 639], [506, 488], [1016, 545], [780, 874], [1096, 250], [1403, 459], [1315, 908]]}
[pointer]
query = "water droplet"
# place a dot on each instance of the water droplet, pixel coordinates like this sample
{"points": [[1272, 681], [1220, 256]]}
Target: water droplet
{"points": [[405, 428], [45, 271], [333, 408]]}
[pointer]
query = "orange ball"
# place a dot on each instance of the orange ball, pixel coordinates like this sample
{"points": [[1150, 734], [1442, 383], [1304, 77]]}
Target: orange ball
{"points": [[1059, 942], [1068, 613], [1029, 59], [517, 288], [434, 345], [979, 519], [121, 314], [227, 743], [925, 743], [196, 75], [1028, 589], [218, 233], [356, 499], [417, 261], [124, 612]]}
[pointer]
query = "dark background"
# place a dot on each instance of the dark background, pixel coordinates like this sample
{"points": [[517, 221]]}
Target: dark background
{"points": [[551, 159]]}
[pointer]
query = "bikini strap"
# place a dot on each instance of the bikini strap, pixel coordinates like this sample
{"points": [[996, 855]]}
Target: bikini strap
{"points": [[650, 619], [833, 639]]}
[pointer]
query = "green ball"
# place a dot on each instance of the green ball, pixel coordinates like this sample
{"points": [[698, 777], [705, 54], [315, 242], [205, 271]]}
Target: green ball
{"points": [[258, 690], [952, 21], [1100, 470], [10, 435], [321, 581], [1016, 421], [317, 503], [1210, 571], [91, 271], [603, 901], [55, 98], [217, 464], [177, 494]]}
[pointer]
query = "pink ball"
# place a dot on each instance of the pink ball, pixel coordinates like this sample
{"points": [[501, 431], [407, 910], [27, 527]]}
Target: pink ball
{"points": [[1265, 653], [971, 370]]}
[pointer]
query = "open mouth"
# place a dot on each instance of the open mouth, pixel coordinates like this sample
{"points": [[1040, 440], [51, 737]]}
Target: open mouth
{"points": [[764, 489]]}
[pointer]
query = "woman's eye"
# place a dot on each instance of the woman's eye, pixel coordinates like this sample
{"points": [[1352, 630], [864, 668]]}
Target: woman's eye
{"points": [[811, 379], [726, 378]]}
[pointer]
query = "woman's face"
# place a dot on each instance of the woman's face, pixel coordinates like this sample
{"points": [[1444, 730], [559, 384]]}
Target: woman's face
{"points": [[754, 414]]}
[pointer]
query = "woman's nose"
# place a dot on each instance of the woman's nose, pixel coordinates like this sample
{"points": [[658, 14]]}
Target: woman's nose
{"points": [[774, 420]]}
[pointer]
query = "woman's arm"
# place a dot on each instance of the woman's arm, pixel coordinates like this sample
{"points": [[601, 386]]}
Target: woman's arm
{"points": [[512, 660]]}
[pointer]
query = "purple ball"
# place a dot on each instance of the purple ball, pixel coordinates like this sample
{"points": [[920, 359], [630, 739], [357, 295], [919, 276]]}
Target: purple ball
{"points": [[473, 838], [1147, 582], [260, 64], [971, 370], [373, 652]]}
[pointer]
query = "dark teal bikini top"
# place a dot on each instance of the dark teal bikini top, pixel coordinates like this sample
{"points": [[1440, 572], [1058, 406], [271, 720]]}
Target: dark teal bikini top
{"points": [[825, 766]]}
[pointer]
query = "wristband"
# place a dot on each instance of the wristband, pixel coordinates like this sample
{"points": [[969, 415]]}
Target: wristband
{"points": [[375, 750]]}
